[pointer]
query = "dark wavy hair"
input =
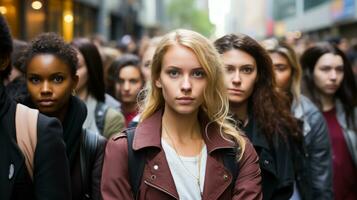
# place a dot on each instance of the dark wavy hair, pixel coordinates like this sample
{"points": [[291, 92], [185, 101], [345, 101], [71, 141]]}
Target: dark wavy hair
{"points": [[5, 47], [270, 107], [347, 93], [51, 43], [93, 60]]}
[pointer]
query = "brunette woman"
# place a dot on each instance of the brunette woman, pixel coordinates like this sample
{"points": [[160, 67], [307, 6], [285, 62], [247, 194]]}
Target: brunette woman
{"points": [[260, 110], [90, 88], [331, 86], [50, 67], [314, 179], [183, 132]]}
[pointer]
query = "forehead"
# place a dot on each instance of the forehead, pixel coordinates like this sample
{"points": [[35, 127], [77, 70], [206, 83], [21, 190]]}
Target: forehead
{"points": [[129, 71], [180, 57], [47, 64], [330, 59], [237, 58], [278, 58]]}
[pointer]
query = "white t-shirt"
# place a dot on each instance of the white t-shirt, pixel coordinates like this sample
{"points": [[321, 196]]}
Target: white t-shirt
{"points": [[186, 185]]}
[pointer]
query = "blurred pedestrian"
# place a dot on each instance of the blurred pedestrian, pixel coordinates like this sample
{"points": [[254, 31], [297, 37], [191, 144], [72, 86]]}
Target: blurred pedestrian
{"points": [[184, 133], [90, 88], [50, 66], [50, 171], [260, 111], [314, 176], [129, 82], [330, 84]]}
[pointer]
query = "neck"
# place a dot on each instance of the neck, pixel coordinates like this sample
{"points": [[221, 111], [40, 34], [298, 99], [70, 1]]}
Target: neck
{"points": [[327, 102], [240, 110], [181, 127], [129, 107]]}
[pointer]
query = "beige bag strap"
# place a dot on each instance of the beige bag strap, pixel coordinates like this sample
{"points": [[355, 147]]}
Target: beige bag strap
{"points": [[26, 134]]}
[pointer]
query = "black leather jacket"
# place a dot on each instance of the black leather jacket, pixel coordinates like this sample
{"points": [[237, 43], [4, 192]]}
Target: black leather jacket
{"points": [[314, 176]]}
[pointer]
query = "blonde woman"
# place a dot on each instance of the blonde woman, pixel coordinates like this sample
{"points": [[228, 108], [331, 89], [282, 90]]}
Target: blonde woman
{"points": [[183, 132]]}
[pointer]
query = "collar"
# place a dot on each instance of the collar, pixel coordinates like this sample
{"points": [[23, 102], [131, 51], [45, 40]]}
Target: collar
{"points": [[148, 133], [255, 134]]}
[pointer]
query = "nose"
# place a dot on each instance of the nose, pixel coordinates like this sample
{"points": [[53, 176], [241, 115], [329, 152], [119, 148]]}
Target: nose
{"points": [[46, 89], [186, 85], [333, 75], [236, 78], [126, 86]]}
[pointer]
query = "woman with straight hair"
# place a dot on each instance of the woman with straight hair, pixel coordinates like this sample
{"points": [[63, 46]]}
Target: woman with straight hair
{"points": [[330, 84], [183, 133], [314, 178], [101, 117], [260, 110]]}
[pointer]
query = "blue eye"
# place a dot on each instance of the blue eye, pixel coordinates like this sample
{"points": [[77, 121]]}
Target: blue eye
{"points": [[198, 74], [173, 73]]}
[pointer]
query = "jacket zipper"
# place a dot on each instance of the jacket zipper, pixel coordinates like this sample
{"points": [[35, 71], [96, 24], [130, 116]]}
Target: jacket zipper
{"points": [[161, 189]]}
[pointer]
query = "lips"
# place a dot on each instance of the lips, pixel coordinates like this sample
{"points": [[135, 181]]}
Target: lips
{"points": [[46, 102], [185, 100], [235, 91]]}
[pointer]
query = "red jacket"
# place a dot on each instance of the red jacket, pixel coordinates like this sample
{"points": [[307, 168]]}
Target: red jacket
{"points": [[157, 183]]}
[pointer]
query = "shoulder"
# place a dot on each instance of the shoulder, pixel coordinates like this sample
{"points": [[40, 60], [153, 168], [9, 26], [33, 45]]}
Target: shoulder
{"points": [[113, 114], [48, 126]]}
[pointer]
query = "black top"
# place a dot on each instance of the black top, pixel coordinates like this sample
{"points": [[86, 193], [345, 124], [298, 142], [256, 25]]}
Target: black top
{"points": [[51, 169]]}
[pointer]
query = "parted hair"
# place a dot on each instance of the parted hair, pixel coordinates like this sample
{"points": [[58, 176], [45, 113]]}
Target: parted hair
{"points": [[269, 106], [215, 104]]}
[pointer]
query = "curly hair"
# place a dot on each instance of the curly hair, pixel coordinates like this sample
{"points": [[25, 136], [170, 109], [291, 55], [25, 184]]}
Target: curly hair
{"points": [[51, 43], [5, 47], [270, 107]]}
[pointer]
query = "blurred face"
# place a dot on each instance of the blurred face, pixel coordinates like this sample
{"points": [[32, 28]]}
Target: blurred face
{"points": [[282, 70], [328, 74], [129, 84], [82, 73], [49, 83], [146, 62], [240, 75], [182, 80]]}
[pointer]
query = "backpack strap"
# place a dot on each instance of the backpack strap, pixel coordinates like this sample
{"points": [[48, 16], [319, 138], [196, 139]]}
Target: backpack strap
{"points": [[26, 134], [230, 162], [88, 149], [136, 163], [101, 110]]}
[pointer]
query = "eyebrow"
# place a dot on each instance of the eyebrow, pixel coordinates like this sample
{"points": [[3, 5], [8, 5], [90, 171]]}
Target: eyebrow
{"points": [[178, 68]]}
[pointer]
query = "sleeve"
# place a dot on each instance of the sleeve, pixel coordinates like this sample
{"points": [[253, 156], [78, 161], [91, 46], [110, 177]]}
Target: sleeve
{"points": [[115, 176], [320, 159], [114, 123], [97, 168], [51, 171], [248, 183]]}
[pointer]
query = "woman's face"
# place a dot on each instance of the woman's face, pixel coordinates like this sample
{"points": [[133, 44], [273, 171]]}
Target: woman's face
{"points": [[82, 72], [129, 84], [146, 62], [240, 75], [328, 74], [282, 70], [182, 80], [50, 83]]}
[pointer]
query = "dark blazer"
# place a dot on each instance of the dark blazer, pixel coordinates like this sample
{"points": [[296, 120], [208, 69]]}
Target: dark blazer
{"points": [[276, 163], [157, 182], [51, 169]]}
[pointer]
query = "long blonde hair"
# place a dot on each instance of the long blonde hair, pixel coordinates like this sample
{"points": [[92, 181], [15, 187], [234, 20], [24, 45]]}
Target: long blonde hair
{"points": [[215, 104]]}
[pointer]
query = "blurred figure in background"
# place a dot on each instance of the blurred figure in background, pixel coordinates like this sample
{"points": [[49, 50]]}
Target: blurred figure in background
{"points": [[260, 111], [147, 55], [101, 117], [129, 82], [314, 175], [330, 84]]}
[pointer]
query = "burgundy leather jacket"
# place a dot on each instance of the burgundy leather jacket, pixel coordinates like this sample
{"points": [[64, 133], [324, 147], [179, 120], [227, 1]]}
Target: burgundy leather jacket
{"points": [[157, 182]]}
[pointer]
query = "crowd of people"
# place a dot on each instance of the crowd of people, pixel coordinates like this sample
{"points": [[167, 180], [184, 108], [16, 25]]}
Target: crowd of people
{"points": [[178, 116]]}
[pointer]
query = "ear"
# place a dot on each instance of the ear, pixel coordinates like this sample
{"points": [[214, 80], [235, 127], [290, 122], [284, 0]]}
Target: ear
{"points": [[158, 83], [75, 81]]}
